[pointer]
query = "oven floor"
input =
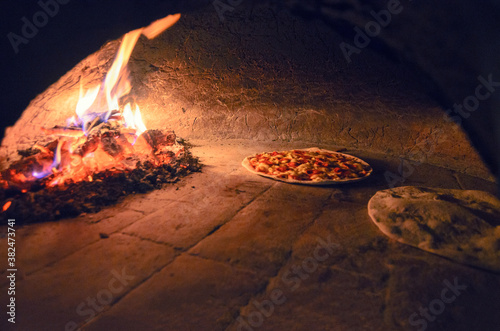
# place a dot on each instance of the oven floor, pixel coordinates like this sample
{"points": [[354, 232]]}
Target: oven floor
{"points": [[227, 250]]}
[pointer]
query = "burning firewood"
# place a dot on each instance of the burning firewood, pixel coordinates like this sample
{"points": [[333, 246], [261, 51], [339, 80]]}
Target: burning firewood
{"points": [[65, 132], [103, 153], [130, 165], [89, 146]]}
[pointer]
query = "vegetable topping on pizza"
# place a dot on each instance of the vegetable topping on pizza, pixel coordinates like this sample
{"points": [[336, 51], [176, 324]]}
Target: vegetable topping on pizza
{"points": [[307, 165]]}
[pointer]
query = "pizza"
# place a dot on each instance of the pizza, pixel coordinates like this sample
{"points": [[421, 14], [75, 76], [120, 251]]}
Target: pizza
{"points": [[308, 166]]}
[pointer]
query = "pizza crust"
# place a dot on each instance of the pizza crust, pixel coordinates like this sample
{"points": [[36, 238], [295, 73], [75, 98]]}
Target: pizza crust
{"points": [[246, 164], [461, 225]]}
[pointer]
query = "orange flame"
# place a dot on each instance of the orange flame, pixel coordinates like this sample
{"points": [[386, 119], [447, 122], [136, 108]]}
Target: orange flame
{"points": [[158, 26], [86, 101], [100, 104], [117, 82], [133, 120], [57, 156]]}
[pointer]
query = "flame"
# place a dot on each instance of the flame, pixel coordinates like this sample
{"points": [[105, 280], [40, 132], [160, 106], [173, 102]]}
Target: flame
{"points": [[100, 104], [128, 117], [57, 156], [55, 163], [140, 127], [160, 25], [85, 101], [133, 120], [117, 81]]}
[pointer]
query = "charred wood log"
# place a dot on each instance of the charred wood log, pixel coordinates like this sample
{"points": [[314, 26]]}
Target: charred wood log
{"points": [[63, 131], [111, 146], [33, 204]]}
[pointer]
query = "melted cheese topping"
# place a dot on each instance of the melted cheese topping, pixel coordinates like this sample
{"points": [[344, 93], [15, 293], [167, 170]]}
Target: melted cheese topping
{"points": [[309, 166]]}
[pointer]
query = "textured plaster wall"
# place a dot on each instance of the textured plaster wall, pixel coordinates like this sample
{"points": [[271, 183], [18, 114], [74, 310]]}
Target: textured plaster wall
{"points": [[265, 75]]}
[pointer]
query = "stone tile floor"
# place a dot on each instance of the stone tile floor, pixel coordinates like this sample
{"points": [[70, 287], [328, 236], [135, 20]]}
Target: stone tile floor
{"points": [[227, 250]]}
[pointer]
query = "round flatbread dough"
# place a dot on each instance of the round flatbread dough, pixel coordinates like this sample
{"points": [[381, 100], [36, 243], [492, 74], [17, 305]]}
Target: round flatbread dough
{"points": [[461, 225]]}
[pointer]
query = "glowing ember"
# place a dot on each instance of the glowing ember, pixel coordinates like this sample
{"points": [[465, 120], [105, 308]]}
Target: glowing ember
{"points": [[6, 206]]}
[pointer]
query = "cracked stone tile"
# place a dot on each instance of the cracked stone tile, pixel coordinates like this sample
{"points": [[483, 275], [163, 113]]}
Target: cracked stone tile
{"points": [[256, 237], [440, 295], [304, 297], [80, 286], [183, 223], [189, 294], [41, 244], [473, 183]]}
